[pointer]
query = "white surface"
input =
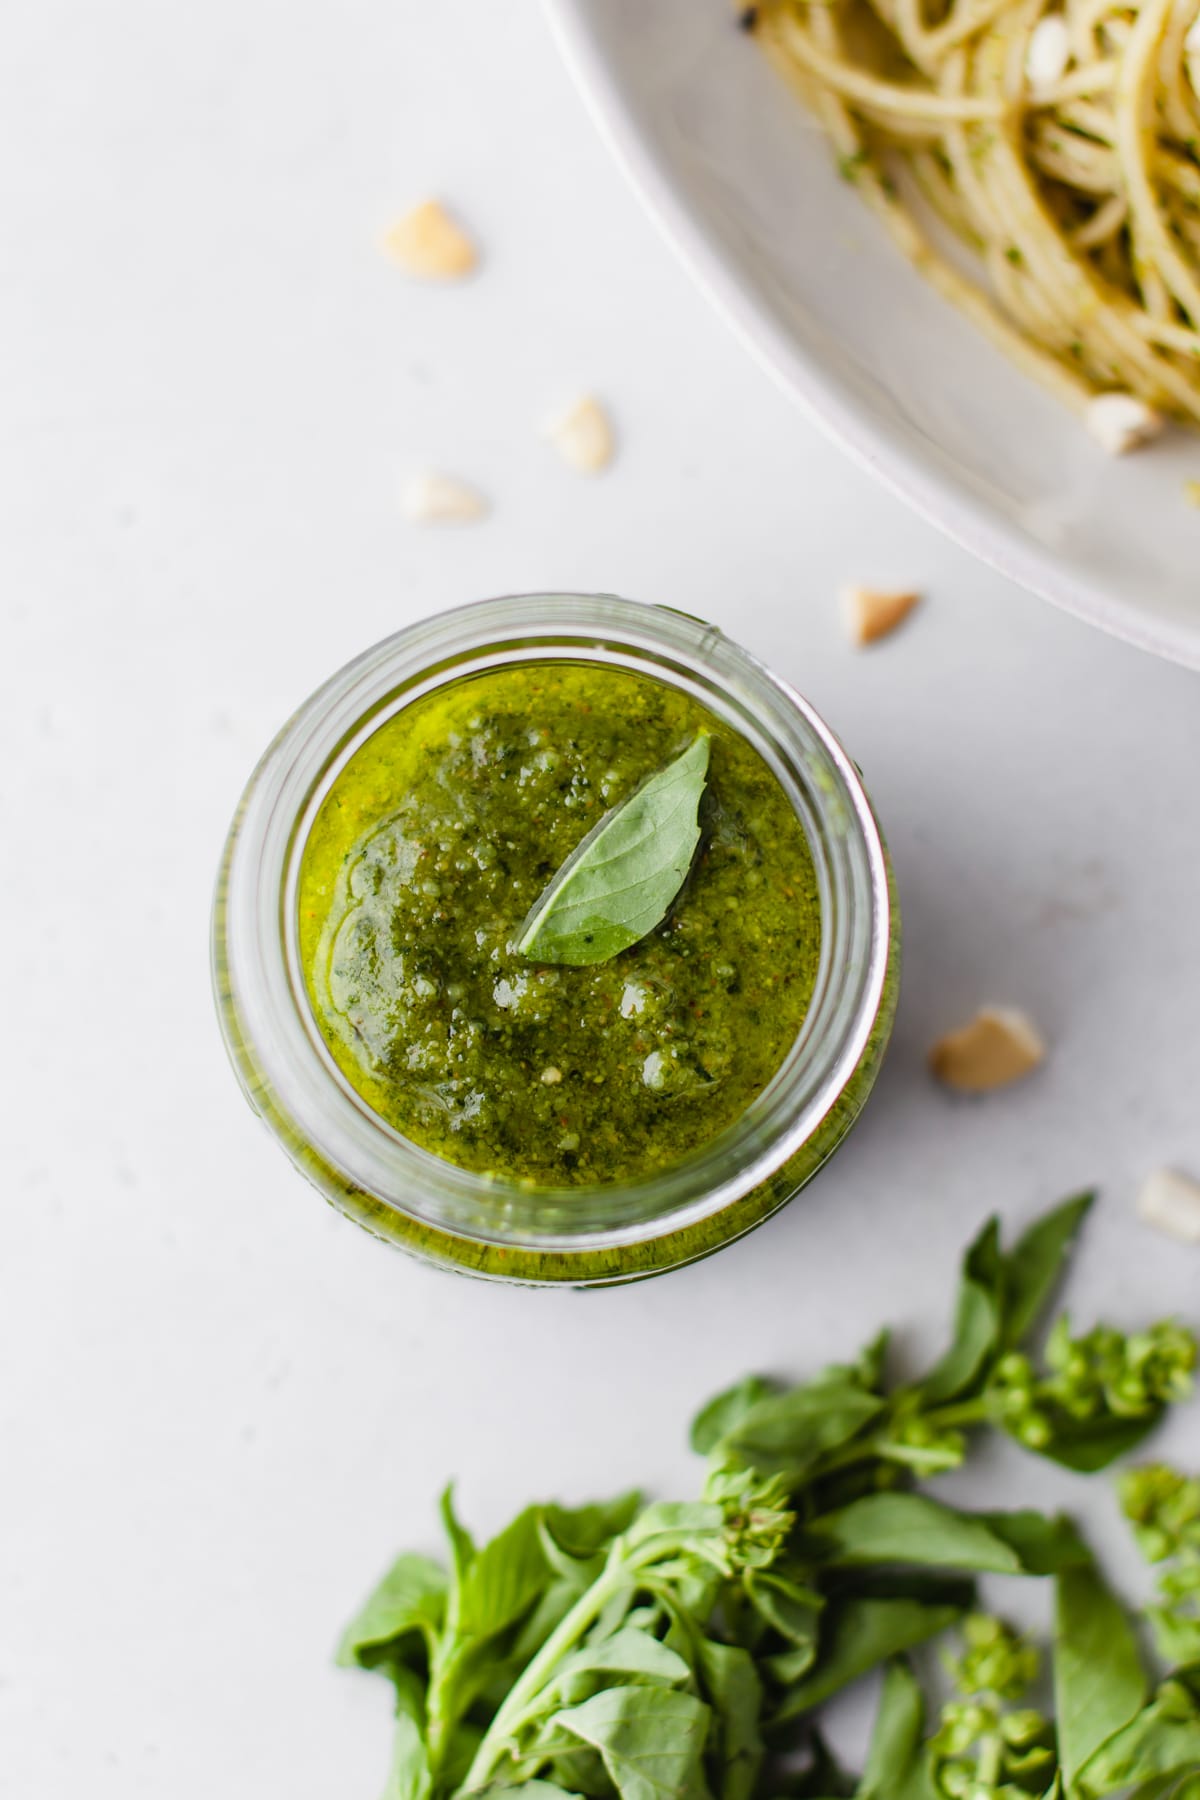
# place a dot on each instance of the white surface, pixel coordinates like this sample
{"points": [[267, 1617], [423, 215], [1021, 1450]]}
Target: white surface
{"points": [[745, 186], [222, 1407]]}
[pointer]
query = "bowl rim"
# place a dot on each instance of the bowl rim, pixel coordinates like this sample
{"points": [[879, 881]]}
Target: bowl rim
{"points": [[960, 516]]}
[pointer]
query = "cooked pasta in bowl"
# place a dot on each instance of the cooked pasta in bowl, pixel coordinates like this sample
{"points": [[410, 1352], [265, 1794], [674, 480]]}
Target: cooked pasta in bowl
{"points": [[965, 234], [1058, 148]]}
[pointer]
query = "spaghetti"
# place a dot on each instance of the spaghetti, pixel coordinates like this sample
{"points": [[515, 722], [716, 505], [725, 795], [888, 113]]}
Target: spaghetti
{"points": [[1061, 149]]}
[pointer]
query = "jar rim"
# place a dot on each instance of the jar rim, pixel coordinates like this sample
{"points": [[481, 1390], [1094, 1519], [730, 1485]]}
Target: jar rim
{"points": [[269, 1025]]}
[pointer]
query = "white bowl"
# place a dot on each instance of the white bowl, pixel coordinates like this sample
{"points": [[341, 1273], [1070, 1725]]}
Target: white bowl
{"points": [[745, 187]]}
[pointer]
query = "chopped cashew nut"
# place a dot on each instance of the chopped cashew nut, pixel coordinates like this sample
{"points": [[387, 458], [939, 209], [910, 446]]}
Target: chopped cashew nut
{"points": [[1048, 54], [552, 1076], [441, 500], [999, 1045], [583, 436], [1170, 1202], [871, 613], [1121, 422], [427, 242]]}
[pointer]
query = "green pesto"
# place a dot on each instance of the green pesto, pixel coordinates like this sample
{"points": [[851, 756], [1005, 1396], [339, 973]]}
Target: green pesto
{"points": [[425, 858]]}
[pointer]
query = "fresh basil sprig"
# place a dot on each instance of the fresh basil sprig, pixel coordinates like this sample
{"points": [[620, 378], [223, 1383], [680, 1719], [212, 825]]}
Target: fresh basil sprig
{"points": [[680, 1651], [621, 880]]}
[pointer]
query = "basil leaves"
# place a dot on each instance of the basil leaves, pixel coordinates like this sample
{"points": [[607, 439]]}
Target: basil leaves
{"points": [[1098, 1681], [680, 1650], [620, 882]]}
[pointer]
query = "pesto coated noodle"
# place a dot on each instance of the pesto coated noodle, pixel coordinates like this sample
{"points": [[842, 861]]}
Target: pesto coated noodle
{"points": [[1068, 170]]}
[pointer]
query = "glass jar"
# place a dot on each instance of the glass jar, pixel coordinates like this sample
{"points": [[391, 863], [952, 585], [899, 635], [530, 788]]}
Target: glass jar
{"points": [[498, 1228]]}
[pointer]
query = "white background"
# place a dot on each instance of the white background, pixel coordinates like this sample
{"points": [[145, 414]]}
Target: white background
{"points": [[222, 1407]]}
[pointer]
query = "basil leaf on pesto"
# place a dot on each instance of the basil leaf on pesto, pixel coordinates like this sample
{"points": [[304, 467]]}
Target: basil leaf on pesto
{"points": [[619, 883]]}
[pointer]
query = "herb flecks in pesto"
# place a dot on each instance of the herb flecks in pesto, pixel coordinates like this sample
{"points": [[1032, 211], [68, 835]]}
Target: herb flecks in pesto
{"points": [[431, 848]]}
